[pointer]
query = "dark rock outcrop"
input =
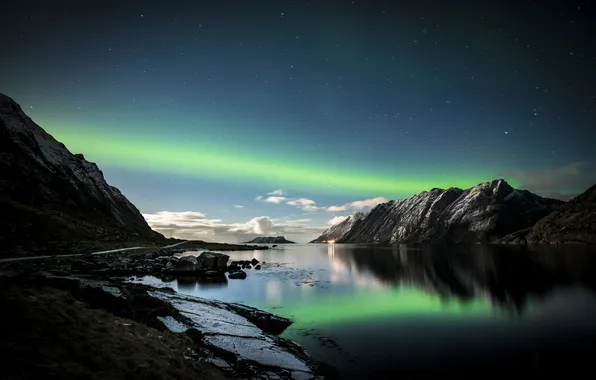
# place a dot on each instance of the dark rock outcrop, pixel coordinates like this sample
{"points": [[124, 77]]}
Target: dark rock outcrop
{"points": [[49, 196], [572, 222], [238, 275], [270, 240], [192, 264], [480, 214]]}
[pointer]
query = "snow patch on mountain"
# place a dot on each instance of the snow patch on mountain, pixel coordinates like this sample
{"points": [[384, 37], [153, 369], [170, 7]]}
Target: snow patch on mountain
{"points": [[478, 214]]}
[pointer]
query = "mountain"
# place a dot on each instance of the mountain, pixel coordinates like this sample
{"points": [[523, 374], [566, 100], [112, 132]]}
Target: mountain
{"points": [[337, 231], [270, 240], [573, 222], [479, 214], [52, 200]]}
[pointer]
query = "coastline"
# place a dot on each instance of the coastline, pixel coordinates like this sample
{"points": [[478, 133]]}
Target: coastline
{"points": [[215, 339]]}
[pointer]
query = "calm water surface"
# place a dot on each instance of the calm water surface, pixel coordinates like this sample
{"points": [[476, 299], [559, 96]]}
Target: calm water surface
{"points": [[371, 311]]}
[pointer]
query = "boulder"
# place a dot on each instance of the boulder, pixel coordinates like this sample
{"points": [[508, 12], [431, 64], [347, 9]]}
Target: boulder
{"points": [[186, 264], [213, 260], [257, 267], [254, 261], [239, 275], [233, 268]]}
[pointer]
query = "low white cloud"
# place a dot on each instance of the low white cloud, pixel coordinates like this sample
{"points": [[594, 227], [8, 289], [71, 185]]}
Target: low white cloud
{"points": [[258, 198], [309, 205], [563, 182], [238, 206], [303, 203], [358, 205], [276, 200], [197, 225], [337, 219]]}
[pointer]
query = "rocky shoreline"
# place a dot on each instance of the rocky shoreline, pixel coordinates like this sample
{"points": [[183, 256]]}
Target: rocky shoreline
{"points": [[161, 262], [240, 341], [237, 340]]}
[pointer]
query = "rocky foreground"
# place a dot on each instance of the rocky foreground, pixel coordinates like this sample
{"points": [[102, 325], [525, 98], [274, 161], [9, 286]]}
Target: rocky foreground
{"points": [[69, 326], [80, 317]]}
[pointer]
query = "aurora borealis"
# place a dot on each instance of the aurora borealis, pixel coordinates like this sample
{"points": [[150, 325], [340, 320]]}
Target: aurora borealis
{"points": [[209, 106]]}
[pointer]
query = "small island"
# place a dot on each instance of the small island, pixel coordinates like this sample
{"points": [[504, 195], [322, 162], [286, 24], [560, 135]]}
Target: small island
{"points": [[270, 240]]}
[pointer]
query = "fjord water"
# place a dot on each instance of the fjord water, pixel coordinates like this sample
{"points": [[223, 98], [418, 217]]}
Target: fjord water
{"points": [[371, 310]]}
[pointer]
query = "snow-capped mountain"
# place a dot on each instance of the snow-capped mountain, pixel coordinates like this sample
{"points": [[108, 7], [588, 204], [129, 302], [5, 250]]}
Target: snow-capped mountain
{"points": [[573, 222], [41, 178], [479, 214], [337, 231]]}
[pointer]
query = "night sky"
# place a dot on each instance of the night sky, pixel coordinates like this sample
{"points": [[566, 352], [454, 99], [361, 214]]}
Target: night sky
{"points": [[207, 107]]}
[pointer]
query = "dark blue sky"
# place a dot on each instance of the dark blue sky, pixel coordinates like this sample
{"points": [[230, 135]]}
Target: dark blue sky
{"points": [[383, 99]]}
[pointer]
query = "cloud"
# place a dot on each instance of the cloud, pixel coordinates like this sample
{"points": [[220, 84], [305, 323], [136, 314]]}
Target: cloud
{"points": [[310, 205], [238, 206], [337, 219], [303, 203], [563, 182], [276, 200], [358, 205], [197, 225]]}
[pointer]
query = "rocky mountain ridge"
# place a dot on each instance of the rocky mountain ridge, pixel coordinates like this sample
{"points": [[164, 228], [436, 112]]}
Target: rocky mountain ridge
{"points": [[337, 231], [479, 214], [573, 222], [49, 195]]}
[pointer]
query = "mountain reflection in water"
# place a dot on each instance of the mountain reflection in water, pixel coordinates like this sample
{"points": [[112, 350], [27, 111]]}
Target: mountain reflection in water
{"points": [[372, 310], [507, 276]]}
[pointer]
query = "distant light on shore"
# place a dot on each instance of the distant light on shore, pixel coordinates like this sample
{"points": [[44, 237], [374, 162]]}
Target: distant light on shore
{"points": [[331, 241]]}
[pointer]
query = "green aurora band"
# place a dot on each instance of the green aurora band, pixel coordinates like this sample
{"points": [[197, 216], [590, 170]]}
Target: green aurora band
{"points": [[317, 311], [257, 166]]}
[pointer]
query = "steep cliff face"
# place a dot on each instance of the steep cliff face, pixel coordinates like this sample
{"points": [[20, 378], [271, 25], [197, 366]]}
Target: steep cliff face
{"points": [[479, 214], [40, 179], [572, 222], [337, 231]]}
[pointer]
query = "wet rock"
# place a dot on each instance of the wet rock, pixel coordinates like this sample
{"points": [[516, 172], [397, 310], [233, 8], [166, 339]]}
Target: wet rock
{"points": [[238, 275], [246, 266], [213, 260], [254, 261], [186, 264], [212, 276], [233, 267], [231, 333], [257, 267]]}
